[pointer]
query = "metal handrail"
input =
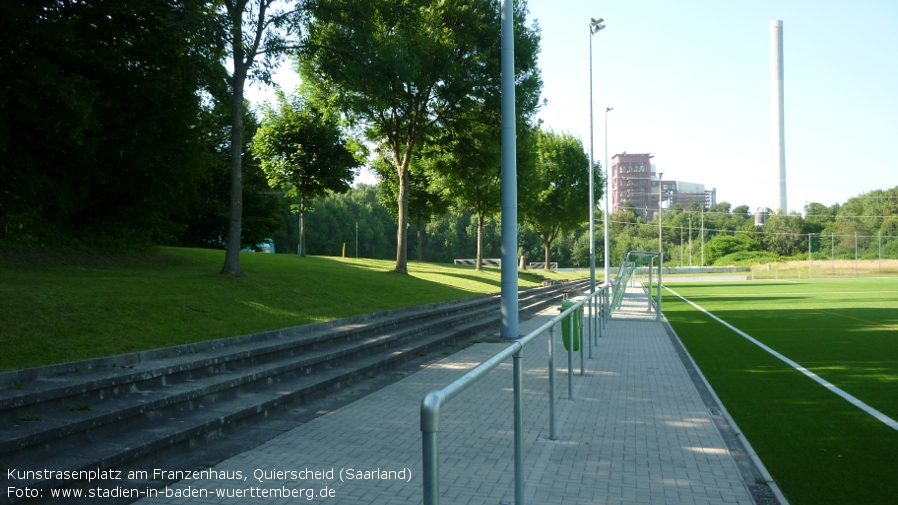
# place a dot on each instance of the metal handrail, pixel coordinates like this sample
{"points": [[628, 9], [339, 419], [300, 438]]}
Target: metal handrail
{"points": [[433, 401]]}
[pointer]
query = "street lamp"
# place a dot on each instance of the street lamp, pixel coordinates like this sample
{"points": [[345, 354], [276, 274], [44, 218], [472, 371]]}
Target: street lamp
{"points": [[594, 27], [660, 195], [607, 196]]}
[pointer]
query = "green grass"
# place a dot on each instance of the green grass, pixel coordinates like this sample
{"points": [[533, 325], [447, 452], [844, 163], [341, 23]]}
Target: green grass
{"points": [[819, 448], [54, 310]]}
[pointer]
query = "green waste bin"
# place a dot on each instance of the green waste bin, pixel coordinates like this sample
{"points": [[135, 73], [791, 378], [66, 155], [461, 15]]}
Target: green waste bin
{"points": [[565, 331]]}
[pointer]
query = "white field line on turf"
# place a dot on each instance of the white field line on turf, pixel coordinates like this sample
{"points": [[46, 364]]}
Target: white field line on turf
{"points": [[888, 421]]}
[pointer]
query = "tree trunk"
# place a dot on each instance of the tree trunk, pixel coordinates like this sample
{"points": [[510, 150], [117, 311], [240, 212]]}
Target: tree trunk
{"points": [[302, 224], [402, 226], [479, 241], [232, 253], [420, 239], [302, 233], [548, 244]]}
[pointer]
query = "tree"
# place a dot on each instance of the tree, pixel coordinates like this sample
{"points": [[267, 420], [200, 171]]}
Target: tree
{"points": [[256, 32], [99, 102], [303, 149], [206, 224], [470, 174], [561, 179], [402, 68], [424, 200], [723, 245]]}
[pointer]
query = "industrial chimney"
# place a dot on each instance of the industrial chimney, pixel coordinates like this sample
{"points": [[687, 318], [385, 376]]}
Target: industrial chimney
{"points": [[777, 130]]}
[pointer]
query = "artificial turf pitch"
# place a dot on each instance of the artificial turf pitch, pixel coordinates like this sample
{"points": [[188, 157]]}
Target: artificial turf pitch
{"points": [[819, 448]]}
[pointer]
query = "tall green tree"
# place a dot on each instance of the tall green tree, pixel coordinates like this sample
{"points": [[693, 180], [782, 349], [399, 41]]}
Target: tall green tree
{"points": [[304, 151], [425, 200], [402, 68], [206, 223], [257, 33], [560, 202], [98, 113]]}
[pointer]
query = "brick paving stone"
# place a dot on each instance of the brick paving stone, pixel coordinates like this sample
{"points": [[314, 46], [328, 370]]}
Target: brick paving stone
{"points": [[636, 433]]}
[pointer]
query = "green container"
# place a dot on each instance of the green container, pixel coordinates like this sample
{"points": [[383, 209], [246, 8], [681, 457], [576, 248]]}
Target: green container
{"points": [[565, 331]]}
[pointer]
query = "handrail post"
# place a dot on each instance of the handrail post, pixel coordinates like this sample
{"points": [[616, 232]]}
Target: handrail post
{"points": [[580, 329], [590, 320], [651, 267], [430, 419], [518, 429], [570, 356], [552, 383]]}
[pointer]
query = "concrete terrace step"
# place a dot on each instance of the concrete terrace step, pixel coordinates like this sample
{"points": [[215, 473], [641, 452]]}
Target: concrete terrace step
{"points": [[156, 401]]}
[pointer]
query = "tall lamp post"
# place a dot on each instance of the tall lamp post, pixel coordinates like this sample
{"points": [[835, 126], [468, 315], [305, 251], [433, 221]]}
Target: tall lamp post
{"points": [[660, 196], [607, 196], [594, 27]]}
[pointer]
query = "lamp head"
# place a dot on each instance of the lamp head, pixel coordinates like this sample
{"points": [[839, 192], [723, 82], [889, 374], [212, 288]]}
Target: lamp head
{"points": [[609, 109], [594, 21]]}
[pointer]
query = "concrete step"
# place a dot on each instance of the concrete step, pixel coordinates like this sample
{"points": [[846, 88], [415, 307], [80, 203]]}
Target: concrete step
{"points": [[159, 405]]}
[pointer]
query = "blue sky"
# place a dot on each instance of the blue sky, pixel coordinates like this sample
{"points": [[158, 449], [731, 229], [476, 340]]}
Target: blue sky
{"points": [[690, 83]]}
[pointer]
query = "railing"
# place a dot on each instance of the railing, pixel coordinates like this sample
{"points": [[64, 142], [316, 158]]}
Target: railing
{"points": [[433, 401], [626, 273]]}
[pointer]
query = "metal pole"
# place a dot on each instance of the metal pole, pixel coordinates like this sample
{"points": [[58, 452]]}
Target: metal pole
{"points": [[660, 267], [660, 212], [855, 255], [552, 383], [570, 356], [589, 321], [431, 477], [879, 237], [703, 238], [833, 251], [592, 198], [518, 429], [509, 299], [809, 255], [651, 267], [580, 329], [607, 258]]}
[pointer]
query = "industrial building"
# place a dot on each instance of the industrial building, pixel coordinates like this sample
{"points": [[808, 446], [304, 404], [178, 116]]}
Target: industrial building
{"points": [[634, 181]]}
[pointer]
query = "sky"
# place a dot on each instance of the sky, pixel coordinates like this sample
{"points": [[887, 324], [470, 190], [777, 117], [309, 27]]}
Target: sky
{"points": [[689, 82]]}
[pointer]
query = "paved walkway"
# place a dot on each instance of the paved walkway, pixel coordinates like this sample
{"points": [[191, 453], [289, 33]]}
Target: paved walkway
{"points": [[636, 433]]}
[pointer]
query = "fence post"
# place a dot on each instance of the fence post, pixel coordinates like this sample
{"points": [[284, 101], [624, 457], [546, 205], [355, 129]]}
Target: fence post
{"points": [[552, 383], [518, 429]]}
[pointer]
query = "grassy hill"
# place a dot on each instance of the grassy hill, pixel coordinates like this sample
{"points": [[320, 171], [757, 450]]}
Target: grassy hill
{"points": [[58, 309]]}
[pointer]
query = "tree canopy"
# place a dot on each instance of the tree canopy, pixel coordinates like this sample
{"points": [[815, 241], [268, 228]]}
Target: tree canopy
{"points": [[402, 68], [560, 199], [303, 150]]}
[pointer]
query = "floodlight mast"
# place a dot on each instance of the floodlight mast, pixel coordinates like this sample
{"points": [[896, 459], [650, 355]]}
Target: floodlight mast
{"points": [[594, 27]]}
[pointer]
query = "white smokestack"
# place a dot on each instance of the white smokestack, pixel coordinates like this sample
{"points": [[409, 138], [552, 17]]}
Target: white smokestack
{"points": [[777, 130]]}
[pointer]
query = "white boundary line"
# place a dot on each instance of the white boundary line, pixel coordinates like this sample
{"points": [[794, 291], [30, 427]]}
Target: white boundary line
{"points": [[888, 421]]}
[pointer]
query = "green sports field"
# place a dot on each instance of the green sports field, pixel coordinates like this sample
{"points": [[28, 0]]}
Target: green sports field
{"points": [[818, 447]]}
